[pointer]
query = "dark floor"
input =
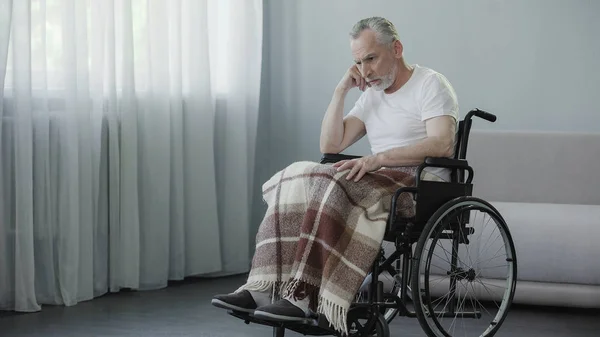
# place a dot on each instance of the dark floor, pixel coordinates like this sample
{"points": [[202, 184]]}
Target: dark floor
{"points": [[184, 309]]}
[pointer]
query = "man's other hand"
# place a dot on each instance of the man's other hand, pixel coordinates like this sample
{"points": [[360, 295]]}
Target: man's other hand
{"points": [[358, 167]]}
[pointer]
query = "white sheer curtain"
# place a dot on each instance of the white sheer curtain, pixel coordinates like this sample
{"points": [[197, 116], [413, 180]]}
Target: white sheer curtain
{"points": [[126, 127]]}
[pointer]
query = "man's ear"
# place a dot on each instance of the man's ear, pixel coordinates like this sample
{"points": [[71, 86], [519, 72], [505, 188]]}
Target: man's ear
{"points": [[398, 49]]}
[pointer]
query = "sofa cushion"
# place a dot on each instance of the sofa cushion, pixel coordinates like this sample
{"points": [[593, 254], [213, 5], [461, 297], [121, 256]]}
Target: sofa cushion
{"points": [[554, 243], [536, 167]]}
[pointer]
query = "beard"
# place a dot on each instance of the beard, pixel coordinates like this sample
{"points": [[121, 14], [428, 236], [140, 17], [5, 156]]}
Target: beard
{"points": [[387, 80]]}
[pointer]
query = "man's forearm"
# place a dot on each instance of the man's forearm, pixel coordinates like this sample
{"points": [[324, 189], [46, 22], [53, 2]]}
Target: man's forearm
{"points": [[332, 128], [415, 154]]}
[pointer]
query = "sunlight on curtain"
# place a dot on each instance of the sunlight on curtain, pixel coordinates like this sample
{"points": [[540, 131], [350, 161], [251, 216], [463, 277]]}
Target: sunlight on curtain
{"points": [[125, 129], [47, 35]]}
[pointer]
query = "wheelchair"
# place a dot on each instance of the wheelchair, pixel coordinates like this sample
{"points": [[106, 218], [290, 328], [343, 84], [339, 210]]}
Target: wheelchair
{"points": [[452, 265]]}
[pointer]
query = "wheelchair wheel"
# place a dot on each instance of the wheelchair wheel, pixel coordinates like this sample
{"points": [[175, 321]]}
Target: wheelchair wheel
{"points": [[465, 270]]}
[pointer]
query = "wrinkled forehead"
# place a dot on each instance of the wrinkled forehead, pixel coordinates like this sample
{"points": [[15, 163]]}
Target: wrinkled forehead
{"points": [[365, 44]]}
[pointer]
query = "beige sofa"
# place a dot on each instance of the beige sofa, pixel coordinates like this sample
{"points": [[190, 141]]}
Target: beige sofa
{"points": [[547, 187]]}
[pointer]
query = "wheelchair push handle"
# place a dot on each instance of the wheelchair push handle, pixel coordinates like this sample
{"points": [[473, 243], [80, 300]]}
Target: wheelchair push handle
{"points": [[483, 114]]}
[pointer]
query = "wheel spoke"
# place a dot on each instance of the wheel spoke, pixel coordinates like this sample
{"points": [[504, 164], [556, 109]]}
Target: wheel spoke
{"points": [[494, 267], [493, 257], [490, 285], [471, 299], [481, 304], [491, 296], [444, 308], [447, 256], [441, 299], [488, 239], [445, 253], [459, 307]]}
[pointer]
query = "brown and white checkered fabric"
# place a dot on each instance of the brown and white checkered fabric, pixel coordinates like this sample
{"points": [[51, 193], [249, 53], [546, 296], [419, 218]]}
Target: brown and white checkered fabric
{"points": [[322, 232]]}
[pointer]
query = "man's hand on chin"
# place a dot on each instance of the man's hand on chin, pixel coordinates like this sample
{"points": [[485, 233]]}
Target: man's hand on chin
{"points": [[358, 167]]}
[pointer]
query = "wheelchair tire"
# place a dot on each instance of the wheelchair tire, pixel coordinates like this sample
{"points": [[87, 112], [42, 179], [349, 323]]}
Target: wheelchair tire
{"points": [[454, 229], [382, 329]]}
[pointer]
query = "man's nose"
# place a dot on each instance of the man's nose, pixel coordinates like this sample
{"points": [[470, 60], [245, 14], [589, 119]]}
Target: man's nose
{"points": [[365, 71]]}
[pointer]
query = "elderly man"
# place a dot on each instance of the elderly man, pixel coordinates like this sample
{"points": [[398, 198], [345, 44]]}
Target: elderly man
{"points": [[325, 223]]}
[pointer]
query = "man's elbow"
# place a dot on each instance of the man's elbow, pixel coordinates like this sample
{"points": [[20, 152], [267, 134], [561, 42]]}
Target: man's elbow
{"points": [[326, 148], [447, 153]]}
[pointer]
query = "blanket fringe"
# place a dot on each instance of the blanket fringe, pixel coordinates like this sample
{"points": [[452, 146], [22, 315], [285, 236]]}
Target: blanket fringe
{"points": [[336, 315], [300, 289]]}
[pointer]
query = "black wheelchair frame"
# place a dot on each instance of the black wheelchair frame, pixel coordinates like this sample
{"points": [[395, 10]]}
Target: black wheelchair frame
{"points": [[430, 196]]}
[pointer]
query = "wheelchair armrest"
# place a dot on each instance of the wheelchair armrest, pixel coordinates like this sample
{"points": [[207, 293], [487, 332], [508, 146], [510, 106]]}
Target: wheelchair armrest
{"points": [[335, 157], [446, 162], [460, 164]]}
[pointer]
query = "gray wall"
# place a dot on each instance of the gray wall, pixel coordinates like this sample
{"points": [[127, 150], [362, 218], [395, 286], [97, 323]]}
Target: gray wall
{"points": [[534, 63]]}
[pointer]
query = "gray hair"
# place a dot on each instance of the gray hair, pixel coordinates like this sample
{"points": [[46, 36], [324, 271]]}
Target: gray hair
{"points": [[384, 30]]}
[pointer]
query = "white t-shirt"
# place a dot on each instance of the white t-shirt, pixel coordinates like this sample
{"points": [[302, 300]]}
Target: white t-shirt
{"points": [[398, 119]]}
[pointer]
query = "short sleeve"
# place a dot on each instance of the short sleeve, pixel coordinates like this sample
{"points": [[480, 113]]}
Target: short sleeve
{"points": [[438, 98], [360, 107]]}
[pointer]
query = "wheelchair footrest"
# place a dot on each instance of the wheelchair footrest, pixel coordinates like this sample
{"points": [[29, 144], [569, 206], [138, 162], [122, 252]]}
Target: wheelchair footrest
{"points": [[310, 326]]}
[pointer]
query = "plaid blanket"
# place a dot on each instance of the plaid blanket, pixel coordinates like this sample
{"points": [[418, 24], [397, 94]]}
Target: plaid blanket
{"points": [[322, 232]]}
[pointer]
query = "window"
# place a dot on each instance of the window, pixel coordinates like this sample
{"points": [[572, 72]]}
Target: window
{"points": [[110, 41]]}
